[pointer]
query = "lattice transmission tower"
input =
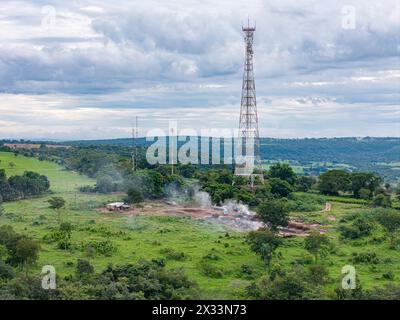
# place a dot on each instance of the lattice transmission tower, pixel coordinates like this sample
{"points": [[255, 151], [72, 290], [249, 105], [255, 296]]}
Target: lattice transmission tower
{"points": [[248, 121]]}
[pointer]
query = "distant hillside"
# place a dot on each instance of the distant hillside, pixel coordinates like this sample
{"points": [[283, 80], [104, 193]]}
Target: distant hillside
{"points": [[309, 156], [314, 156], [348, 150]]}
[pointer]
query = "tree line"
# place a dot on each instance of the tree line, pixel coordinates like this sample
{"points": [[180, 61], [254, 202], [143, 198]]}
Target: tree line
{"points": [[22, 186]]}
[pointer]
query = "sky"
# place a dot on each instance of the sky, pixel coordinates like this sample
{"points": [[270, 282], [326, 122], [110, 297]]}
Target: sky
{"points": [[85, 69]]}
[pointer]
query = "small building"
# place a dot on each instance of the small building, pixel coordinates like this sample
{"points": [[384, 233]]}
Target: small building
{"points": [[118, 206]]}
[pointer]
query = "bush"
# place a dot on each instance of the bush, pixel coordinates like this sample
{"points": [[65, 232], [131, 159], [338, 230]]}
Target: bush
{"points": [[83, 267], [6, 271], [211, 256], [303, 203], [305, 183], [264, 243], [388, 276], [365, 193], [358, 229], [318, 274], [209, 270], [286, 286], [173, 254], [382, 200], [104, 247], [247, 271], [134, 196], [144, 280], [365, 257]]}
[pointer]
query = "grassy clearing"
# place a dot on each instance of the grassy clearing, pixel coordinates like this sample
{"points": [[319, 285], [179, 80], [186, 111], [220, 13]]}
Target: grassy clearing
{"points": [[210, 256]]}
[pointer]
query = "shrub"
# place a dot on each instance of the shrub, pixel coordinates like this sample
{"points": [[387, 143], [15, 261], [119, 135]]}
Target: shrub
{"points": [[173, 254], [358, 229], [211, 256], [382, 200], [318, 274], [104, 247], [365, 257], [6, 271], [134, 196], [388, 276], [83, 267], [247, 271], [264, 243], [286, 286], [317, 244], [209, 270]]}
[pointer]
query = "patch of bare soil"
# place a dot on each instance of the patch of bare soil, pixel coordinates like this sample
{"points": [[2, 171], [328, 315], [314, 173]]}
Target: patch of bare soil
{"points": [[233, 220], [299, 229]]}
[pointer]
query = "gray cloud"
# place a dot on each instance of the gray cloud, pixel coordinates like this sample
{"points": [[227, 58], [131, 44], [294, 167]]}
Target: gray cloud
{"points": [[183, 55]]}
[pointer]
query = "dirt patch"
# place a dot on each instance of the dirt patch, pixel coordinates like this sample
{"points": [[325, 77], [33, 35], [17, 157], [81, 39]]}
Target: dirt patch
{"points": [[299, 229], [160, 208], [233, 219]]}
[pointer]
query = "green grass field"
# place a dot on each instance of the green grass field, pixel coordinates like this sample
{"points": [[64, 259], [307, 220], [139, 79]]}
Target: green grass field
{"points": [[146, 236]]}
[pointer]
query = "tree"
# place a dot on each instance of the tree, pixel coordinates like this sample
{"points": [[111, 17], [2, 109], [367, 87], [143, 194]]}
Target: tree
{"points": [[280, 188], [264, 243], [64, 241], [333, 181], [83, 268], [286, 286], [364, 193], [284, 172], [390, 221], [6, 271], [19, 187], [361, 181], [151, 183], [134, 196], [26, 252], [318, 274], [247, 197], [105, 184], [382, 200], [317, 244], [274, 213], [305, 183], [57, 203], [220, 192]]}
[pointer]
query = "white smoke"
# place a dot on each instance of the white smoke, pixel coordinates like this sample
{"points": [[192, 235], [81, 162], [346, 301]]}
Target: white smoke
{"points": [[234, 207], [202, 198]]}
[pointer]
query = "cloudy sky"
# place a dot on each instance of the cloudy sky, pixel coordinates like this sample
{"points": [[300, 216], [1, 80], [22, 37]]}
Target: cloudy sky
{"points": [[85, 69]]}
